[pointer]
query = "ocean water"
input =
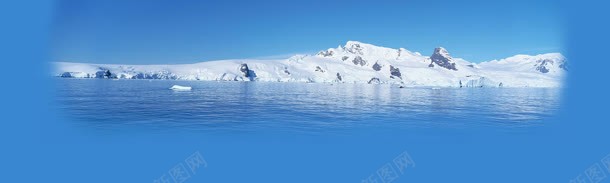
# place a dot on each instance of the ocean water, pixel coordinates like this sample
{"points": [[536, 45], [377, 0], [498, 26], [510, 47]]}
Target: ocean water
{"points": [[140, 131], [297, 107]]}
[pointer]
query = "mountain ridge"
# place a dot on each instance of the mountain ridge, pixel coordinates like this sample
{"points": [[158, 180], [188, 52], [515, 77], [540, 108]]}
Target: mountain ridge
{"points": [[353, 62]]}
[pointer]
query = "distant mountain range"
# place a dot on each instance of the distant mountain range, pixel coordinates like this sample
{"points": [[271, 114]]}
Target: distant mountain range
{"points": [[354, 62]]}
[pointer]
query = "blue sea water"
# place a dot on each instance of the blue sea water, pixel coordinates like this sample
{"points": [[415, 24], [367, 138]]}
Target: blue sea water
{"points": [[140, 131], [300, 107]]}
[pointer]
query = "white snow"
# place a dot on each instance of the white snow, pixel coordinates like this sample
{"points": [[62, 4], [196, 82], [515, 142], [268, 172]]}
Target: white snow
{"points": [[351, 63], [178, 87]]}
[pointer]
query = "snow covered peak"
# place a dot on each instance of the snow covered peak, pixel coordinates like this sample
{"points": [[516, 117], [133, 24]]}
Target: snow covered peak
{"points": [[359, 48], [355, 62], [550, 63], [441, 57], [354, 43], [365, 54], [355, 47], [442, 51], [297, 58], [522, 57]]}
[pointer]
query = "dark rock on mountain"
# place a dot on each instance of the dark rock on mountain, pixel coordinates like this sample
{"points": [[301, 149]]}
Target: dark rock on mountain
{"points": [[286, 70], [441, 58], [319, 69], [107, 74], [339, 78], [344, 58], [326, 53], [353, 47], [244, 69], [376, 67], [359, 61], [541, 65], [546, 65], [374, 81], [542, 69], [394, 71], [103, 74], [250, 74]]}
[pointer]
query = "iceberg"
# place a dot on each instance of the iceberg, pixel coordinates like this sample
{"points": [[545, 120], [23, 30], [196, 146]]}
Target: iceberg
{"points": [[181, 88]]}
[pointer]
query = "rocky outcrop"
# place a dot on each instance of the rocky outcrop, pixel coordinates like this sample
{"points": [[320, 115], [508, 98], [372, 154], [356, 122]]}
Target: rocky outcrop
{"points": [[327, 53], [359, 61], [376, 67], [541, 65], [550, 65], [286, 70], [545, 65], [339, 78], [374, 81], [344, 58], [442, 58], [104, 74], [395, 72], [319, 69], [354, 48], [250, 74]]}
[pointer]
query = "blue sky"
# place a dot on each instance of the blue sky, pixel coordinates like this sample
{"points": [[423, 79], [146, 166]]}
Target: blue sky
{"points": [[172, 32]]}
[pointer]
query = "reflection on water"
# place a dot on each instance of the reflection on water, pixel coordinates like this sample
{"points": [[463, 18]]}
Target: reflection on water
{"points": [[264, 105]]}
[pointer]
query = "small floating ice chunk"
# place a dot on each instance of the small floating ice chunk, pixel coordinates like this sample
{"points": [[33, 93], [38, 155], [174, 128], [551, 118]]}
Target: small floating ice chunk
{"points": [[182, 88], [436, 88]]}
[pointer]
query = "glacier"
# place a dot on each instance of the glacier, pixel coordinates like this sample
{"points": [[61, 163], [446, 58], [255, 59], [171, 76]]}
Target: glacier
{"points": [[354, 62]]}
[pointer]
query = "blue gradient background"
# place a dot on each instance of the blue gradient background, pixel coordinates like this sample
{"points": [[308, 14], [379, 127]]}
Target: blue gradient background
{"points": [[39, 145], [166, 32]]}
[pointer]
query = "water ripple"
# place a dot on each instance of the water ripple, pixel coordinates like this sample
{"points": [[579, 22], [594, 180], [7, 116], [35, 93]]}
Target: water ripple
{"points": [[245, 106]]}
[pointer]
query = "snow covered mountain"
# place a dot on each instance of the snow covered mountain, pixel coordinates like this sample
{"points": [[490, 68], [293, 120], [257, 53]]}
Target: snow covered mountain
{"points": [[355, 62]]}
